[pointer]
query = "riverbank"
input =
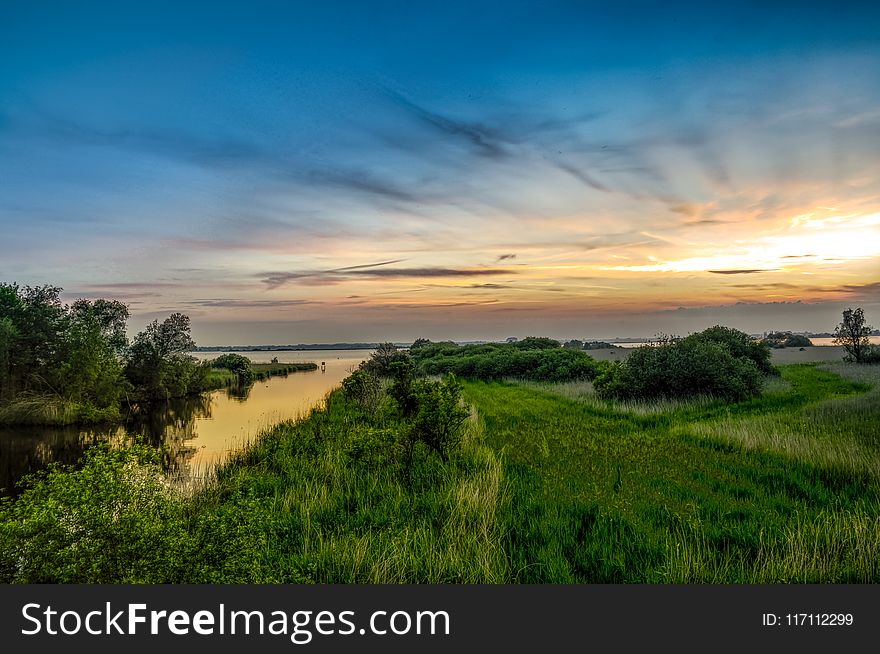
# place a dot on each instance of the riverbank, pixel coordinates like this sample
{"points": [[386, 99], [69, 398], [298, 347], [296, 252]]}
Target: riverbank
{"points": [[551, 485], [53, 411]]}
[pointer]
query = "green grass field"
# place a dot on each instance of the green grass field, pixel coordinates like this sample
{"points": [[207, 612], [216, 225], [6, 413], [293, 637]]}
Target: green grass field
{"points": [[782, 488]]}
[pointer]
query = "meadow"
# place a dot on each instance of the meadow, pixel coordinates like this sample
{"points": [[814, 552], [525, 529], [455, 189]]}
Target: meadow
{"points": [[550, 485], [780, 488]]}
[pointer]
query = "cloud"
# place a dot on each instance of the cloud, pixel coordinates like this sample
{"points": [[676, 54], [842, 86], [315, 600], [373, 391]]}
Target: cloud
{"points": [[374, 271], [249, 304], [580, 175], [504, 257], [485, 141], [492, 286], [368, 265], [744, 271]]}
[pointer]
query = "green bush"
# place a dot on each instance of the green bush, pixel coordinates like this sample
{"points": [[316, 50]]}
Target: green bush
{"points": [[738, 343], [535, 359], [440, 415], [687, 368], [379, 363], [111, 520], [786, 339], [364, 389], [237, 364]]}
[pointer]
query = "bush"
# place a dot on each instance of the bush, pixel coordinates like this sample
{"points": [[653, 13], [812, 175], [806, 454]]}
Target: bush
{"points": [[871, 354], [237, 364], [112, 520], [786, 339], [738, 343], [379, 363], [364, 389], [690, 367], [535, 359], [439, 415]]}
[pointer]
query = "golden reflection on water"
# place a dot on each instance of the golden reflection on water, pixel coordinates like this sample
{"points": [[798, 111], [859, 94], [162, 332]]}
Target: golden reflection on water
{"points": [[231, 422], [196, 433]]}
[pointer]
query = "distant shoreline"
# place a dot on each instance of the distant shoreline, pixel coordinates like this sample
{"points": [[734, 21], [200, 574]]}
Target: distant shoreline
{"points": [[288, 348]]}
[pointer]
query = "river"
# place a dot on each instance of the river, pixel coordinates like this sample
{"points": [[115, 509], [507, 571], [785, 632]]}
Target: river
{"points": [[197, 432]]}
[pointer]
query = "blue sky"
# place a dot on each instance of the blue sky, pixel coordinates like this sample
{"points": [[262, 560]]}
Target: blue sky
{"points": [[288, 172]]}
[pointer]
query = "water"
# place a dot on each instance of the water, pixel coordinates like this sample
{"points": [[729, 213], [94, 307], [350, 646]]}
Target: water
{"points": [[197, 432]]}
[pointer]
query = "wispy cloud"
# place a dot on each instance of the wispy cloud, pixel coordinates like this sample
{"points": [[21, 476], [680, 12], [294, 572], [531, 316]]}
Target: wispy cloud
{"points": [[485, 141], [249, 304], [375, 271]]}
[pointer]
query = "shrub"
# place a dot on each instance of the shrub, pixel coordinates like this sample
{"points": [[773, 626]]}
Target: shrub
{"points": [[541, 362], [239, 365], [364, 389], [112, 520], [738, 343], [786, 339], [379, 363], [687, 368], [871, 354], [439, 416]]}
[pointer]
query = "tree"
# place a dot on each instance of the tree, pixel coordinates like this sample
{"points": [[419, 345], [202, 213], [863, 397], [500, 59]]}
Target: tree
{"points": [[110, 316], [853, 334], [157, 362]]}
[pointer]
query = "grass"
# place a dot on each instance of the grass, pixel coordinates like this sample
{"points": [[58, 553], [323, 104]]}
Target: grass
{"points": [[610, 492], [42, 409], [341, 510], [266, 370], [551, 485]]}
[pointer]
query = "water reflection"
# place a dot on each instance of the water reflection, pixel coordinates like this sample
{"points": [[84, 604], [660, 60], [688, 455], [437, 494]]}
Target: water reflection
{"points": [[197, 432]]}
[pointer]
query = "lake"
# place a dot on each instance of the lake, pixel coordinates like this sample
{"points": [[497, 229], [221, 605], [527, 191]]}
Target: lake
{"points": [[197, 432]]}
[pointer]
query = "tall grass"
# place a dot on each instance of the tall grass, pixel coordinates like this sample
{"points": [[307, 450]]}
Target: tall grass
{"points": [[44, 409], [610, 492], [841, 435]]}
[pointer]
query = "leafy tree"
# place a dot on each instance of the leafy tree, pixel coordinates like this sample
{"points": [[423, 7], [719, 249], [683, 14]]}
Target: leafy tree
{"points": [[90, 370], [573, 344], [419, 342], [110, 316], [36, 321], [8, 340], [852, 333], [157, 362]]}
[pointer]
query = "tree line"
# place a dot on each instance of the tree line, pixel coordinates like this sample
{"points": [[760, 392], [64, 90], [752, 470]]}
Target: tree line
{"points": [[78, 356]]}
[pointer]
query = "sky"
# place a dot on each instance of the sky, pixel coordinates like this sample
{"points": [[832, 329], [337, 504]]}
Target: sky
{"points": [[296, 172]]}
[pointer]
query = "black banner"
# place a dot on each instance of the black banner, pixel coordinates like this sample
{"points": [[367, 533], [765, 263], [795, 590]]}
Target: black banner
{"points": [[436, 618]]}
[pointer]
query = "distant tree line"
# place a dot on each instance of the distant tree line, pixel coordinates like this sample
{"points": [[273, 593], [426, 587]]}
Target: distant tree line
{"points": [[778, 340]]}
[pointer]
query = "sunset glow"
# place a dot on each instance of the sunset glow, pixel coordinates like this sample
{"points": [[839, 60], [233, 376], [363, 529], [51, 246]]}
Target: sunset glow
{"points": [[426, 178]]}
